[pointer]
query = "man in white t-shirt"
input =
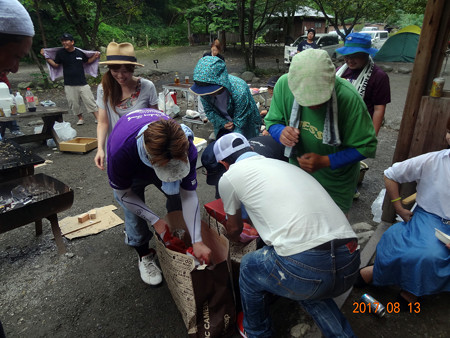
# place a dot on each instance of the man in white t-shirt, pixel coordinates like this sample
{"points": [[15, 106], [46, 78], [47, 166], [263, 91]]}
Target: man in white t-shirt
{"points": [[311, 253]]}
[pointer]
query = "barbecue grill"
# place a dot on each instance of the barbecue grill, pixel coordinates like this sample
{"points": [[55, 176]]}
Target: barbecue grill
{"points": [[30, 199]]}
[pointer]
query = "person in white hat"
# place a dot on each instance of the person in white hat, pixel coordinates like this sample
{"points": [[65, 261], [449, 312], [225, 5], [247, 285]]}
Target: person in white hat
{"points": [[311, 253], [75, 85], [324, 124], [120, 93], [16, 35]]}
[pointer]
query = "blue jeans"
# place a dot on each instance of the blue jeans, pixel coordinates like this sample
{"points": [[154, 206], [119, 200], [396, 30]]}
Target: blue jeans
{"points": [[136, 227], [311, 277]]}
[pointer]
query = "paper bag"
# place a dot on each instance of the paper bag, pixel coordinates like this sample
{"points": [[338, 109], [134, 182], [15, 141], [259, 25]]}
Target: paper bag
{"points": [[208, 307]]}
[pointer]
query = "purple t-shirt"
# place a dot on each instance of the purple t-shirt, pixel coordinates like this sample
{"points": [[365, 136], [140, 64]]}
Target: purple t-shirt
{"points": [[124, 163], [378, 91]]}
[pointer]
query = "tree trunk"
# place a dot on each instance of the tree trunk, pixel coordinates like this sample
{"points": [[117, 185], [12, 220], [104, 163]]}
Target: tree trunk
{"points": [[41, 28], [241, 15], [41, 68], [223, 40]]}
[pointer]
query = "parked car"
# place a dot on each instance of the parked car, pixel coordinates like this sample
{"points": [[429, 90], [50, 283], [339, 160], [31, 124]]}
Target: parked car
{"points": [[328, 42], [369, 29], [378, 38]]}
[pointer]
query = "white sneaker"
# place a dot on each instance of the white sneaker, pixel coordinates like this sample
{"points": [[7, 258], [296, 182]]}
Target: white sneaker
{"points": [[80, 122], [150, 273]]}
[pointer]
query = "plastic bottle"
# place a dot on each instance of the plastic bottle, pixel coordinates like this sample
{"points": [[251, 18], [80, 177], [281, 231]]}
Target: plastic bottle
{"points": [[20, 104], [30, 100], [13, 105], [177, 78]]}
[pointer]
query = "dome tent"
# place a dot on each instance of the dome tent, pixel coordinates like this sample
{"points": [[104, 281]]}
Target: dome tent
{"points": [[400, 47]]}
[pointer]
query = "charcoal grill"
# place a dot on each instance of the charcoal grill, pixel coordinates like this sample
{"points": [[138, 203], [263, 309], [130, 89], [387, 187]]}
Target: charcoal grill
{"points": [[16, 161], [50, 197]]}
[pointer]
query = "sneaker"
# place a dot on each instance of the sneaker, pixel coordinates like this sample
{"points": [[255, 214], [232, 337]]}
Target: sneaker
{"points": [[240, 324], [96, 121], [356, 195], [17, 133], [80, 122], [150, 273]]}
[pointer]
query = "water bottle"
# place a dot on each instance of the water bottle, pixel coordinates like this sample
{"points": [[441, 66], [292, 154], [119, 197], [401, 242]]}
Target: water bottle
{"points": [[20, 104], [30, 100]]}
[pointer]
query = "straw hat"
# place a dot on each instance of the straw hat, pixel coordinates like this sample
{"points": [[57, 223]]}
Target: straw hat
{"points": [[120, 54]]}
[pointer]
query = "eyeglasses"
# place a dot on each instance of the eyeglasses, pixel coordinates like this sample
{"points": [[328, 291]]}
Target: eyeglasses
{"points": [[355, 56]]}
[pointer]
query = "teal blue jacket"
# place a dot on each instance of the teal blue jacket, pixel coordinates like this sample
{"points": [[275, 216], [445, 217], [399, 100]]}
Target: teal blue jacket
{"points": [[241, 105]]}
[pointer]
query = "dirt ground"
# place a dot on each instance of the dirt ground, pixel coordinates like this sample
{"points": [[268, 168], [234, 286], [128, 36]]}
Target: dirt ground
{"points": [[95, 290]]}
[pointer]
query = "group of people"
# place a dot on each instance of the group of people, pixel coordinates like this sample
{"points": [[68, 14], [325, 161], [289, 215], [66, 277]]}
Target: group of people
{"points": [[322, 123]]}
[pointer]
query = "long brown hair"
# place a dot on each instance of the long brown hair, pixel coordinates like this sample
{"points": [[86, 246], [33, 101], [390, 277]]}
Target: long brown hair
{"points": [[166, 140], [112, 92], [216, 43]]}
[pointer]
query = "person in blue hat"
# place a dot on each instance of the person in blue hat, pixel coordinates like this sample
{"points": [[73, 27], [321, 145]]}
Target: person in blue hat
{"points": [[371, 82]]}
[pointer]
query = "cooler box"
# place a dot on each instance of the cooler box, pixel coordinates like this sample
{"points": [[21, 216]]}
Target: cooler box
{"points": [[200, 144]]}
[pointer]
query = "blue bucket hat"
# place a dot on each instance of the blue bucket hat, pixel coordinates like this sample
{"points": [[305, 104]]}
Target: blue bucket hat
{"points": [[357, 43]]}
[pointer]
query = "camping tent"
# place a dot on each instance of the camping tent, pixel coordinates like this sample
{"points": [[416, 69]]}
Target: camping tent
{"points": [[400, 47]]}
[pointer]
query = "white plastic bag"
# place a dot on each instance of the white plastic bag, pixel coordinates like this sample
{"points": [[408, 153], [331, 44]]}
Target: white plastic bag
{"points": [[377, 206], [171, 108], [64, 131]]}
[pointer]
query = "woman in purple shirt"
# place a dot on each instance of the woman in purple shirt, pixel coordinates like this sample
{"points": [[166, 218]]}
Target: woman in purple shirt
{"points": [[148, 147]]}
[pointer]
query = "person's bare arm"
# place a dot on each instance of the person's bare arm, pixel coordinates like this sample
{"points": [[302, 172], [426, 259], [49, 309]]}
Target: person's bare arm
{"points": [[51, 62], [378, 116], [93, 57], [392, 188], [234, 226], [102, 130]]}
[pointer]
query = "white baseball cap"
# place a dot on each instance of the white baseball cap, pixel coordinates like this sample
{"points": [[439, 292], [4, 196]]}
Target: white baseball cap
{"points": [[227, 145]]}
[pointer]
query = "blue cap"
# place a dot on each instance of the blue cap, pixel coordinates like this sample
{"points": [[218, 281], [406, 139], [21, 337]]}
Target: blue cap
{"points": [[203, 88], [357, 43]]}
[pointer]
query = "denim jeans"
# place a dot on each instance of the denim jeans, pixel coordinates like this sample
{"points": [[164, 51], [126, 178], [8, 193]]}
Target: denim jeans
{"points": [[312, 278], [136, 227]]}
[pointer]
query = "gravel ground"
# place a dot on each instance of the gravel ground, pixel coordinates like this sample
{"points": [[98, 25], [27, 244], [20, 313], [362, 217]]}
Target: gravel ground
{"points": [[95, 290]]}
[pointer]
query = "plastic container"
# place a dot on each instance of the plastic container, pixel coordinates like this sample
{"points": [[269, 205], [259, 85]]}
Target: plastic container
{"points": [[13, 105], [29, 97], [5, 99], [20, 104]]}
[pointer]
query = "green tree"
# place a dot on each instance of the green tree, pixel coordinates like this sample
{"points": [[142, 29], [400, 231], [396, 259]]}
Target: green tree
{"points": [[347, 13]]}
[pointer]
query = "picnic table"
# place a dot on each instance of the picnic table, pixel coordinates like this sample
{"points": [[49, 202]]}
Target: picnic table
{"points": [[49, 116]]}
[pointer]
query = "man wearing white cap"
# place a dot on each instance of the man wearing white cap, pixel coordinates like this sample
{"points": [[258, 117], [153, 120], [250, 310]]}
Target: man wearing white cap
{"points": [[16, 34], [311, 253], [324, 124]]}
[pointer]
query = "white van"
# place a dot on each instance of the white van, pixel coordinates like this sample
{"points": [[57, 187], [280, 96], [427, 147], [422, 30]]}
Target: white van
{"points": [[327, 42], [378, 38]]}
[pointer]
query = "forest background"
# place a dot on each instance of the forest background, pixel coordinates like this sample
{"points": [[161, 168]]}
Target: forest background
{"points": [[153, 23]]}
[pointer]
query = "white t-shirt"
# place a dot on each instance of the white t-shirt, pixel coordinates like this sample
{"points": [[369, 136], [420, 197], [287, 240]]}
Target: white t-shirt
{"points": [[431, 171], [147, 97], [289, 208]]}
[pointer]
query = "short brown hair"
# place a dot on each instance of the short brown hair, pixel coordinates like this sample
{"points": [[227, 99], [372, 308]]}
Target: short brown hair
{"points": [[166, 140]]}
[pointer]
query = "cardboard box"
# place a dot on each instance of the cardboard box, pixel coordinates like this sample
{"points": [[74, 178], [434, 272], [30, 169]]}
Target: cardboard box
{"points": [[200, 144], [79, 144]]}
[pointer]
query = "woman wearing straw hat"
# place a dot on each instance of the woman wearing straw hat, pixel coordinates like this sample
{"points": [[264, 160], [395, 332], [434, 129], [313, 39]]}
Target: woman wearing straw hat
{"points": [[120, 93]]}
